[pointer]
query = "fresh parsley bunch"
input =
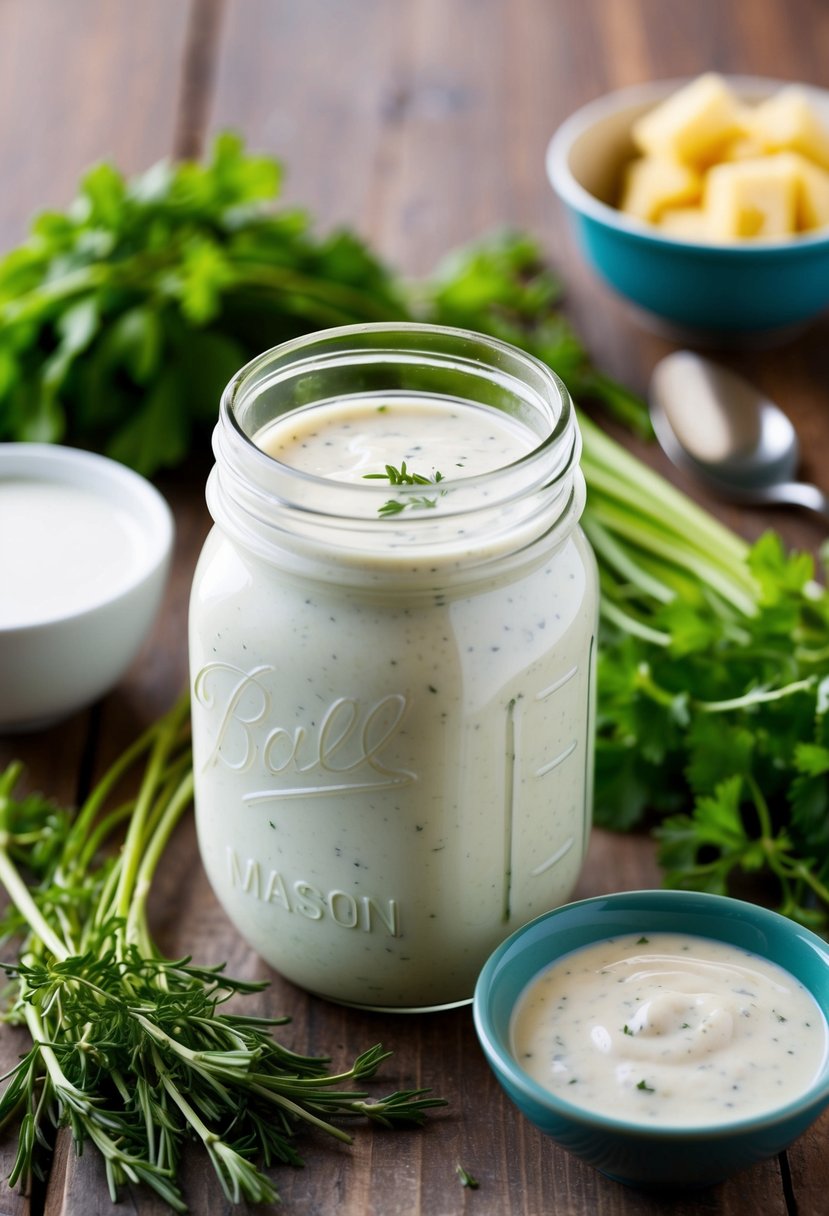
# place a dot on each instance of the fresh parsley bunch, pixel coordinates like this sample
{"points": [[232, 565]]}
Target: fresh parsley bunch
{"points": [[122, 319], [713, 691]]}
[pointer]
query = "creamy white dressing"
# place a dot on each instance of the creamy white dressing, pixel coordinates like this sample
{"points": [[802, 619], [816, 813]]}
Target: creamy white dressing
{"points": [[62, 550], [345, 440], [669, 1029], [392, 776]]}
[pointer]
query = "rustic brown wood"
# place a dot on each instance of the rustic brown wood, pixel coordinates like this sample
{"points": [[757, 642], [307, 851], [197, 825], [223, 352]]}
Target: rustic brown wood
{"points": [[422, 125], [806, 1161], [197, 76], [79, 83]]}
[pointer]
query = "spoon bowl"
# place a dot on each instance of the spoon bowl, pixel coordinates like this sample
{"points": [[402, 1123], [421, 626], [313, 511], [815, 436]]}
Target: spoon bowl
{"points": [[714, 423]]}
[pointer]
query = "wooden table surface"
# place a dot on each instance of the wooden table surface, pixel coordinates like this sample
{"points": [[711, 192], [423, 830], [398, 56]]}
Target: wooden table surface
{"points": [[422, 124]]}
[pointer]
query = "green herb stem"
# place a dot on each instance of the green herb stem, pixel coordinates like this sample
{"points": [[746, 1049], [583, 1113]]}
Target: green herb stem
{"points": [[133, 851], [613, 555], [609, 467], [21, 897], [79, 835], [757, 696], [176, 805], [630, 625], [675, 552]]}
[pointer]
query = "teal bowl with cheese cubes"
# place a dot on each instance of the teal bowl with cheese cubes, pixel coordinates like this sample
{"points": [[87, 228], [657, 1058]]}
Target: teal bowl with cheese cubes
{"points": [[747, 255]]}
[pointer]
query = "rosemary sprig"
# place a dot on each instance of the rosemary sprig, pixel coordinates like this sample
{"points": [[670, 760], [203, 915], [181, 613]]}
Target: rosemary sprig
{"points": [[402, 477], [133, 1051]]}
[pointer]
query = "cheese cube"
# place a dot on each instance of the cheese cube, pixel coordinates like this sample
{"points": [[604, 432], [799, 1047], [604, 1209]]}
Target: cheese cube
{"points": [[694, 124], [744, 145], [688, 223], [752, 198], [788, 121], [652, 183], [742, 148], [812, 198]]}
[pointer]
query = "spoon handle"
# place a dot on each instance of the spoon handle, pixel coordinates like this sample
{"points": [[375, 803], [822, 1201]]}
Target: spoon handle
{"points": [[798, 494]]}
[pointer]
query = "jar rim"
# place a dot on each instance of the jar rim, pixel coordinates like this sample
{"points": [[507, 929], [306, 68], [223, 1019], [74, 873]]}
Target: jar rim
{"points": [[303, 342], [260, 491]]}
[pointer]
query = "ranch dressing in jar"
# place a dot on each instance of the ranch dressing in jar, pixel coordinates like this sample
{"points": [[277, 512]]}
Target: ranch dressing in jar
{"points": [[392, 679]]}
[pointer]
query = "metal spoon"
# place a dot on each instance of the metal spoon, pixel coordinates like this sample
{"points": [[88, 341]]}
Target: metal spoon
{"points": [[713, 422]]}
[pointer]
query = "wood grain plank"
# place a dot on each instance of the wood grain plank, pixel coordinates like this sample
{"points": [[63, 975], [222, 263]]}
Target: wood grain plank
{"points": [[197, 77], [86, 81], [809, 1169], [787, 42], [314, 84]]}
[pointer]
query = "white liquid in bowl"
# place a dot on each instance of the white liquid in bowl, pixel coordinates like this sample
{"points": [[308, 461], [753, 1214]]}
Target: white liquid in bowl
{"points": [[63, 549]]}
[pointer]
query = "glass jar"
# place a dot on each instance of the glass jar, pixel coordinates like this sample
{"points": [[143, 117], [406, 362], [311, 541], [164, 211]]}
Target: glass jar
{"points": [[392, 685]]}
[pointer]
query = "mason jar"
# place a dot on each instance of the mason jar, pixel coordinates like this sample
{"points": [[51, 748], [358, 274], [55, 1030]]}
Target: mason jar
{"points": [[392, 641]]}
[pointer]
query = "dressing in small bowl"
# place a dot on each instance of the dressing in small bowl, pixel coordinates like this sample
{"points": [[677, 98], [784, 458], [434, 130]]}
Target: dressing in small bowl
{"points": [[653, 1068]]}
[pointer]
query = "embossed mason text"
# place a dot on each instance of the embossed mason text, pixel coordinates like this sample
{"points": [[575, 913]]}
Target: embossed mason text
{"points": [[363, 912]]}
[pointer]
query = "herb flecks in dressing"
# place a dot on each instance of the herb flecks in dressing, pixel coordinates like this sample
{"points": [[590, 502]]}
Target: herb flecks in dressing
{"points": [[350, 440], [669, 1029]]}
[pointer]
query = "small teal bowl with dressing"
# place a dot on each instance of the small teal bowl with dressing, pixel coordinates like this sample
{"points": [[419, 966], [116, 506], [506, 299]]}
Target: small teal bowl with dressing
{"points": [[646, 1155]]}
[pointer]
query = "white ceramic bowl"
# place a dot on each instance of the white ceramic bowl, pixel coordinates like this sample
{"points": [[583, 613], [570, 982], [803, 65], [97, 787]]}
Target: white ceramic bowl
{"points": [[699, 288], [65, 641]]}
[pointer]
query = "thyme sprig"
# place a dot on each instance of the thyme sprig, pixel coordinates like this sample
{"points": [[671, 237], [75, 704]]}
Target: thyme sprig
{"points": [[402, 477], [135, 1052]]}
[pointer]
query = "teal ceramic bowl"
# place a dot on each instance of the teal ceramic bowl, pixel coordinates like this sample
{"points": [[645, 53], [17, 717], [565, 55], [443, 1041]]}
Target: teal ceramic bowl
{"points": [[644, 1155], [708, 291]]}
